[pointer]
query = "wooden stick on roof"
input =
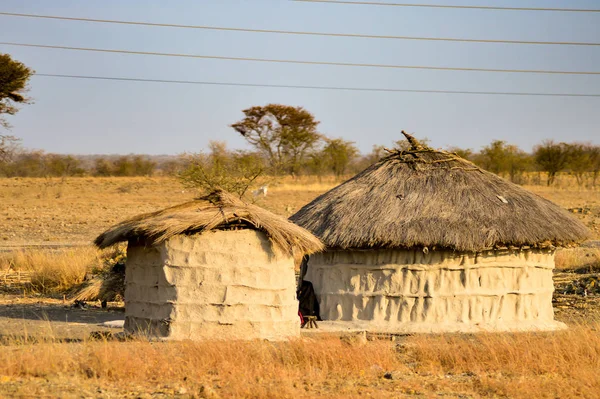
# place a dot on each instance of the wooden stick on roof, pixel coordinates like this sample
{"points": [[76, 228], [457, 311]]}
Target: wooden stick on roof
{"points": [[415, 144]]}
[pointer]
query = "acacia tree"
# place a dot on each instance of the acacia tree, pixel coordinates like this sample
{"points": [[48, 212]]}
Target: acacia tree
{"points": [[13, 83], [103, 167], [404, 145], [502, 158], [579, 160], [283, 134], [551, 157], [595, 163], [339, 153], [9, 145], [376, 154], [464, 153], [63, 165]]}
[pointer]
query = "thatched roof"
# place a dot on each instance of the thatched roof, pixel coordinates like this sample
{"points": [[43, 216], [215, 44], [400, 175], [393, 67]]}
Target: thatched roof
{"points": [[216, 211], [430, 198]]}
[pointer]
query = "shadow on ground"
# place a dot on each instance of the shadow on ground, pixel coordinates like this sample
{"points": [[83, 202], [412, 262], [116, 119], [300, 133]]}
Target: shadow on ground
{"points": [[49, 321], [59, 313]]}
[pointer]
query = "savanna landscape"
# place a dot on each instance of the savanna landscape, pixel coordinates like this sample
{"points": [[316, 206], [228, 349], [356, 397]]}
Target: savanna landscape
{"points": [[47, 351], [65, 180]]}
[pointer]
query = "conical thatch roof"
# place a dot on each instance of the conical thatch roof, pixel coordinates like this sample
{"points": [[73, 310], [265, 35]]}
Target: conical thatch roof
{"points": [[216, 211], [430, 198]]}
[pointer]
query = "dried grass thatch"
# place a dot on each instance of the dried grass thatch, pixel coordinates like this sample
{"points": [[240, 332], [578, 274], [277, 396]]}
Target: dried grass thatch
{"points": [[430, 198], [216, 211], [89, 290], [107, 287]]}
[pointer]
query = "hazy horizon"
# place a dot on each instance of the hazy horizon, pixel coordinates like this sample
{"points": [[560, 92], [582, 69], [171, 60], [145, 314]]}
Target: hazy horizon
{"points": [[246, 147]]}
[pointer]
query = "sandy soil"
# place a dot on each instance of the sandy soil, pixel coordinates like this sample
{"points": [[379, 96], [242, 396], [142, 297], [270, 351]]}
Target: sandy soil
{"points": [[75, 210], [39, 318]]}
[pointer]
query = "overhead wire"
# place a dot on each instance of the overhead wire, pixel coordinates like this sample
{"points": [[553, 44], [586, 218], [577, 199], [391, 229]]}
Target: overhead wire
{"points": [[496, 8], [312, 87], [300, 33], [303, 62], [319, 62]]}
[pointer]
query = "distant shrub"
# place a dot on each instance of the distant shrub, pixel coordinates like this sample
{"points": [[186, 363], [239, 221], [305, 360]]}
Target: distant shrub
{"points": [[235, 172]]}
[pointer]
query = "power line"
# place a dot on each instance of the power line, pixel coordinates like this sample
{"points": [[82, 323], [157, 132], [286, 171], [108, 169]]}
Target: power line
{"points": [[281, 61], [301, 33], [336, 88], [371, 3]]}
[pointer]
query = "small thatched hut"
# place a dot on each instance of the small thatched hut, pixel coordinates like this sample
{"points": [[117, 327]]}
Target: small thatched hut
{"points": [[424, 240], [215, 267]]}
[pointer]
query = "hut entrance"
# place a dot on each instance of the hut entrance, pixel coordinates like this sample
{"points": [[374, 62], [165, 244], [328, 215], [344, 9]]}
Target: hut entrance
{"points": [[307, 299]]}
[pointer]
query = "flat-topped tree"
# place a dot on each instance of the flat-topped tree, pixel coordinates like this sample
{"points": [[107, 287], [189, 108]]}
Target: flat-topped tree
{"points": [[282, 133], [14, 76]]}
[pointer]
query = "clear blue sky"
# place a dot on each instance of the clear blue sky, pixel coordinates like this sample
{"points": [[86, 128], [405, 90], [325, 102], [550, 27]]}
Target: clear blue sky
{"points": [[87, 117]]}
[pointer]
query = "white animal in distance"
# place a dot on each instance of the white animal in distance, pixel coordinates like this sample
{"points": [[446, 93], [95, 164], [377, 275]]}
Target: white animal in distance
{"points": [[262, 190]]}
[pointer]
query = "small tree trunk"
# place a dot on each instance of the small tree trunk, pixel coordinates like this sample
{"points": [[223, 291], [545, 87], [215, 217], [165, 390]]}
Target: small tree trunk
{"points": [[550, 178]]}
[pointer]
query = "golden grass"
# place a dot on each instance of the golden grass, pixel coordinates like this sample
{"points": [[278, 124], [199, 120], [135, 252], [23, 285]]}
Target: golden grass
{"points": [[77, 209], [52, 271], [306, 183], [564, 363], [255, 369], [578, 258], [536, 365]]}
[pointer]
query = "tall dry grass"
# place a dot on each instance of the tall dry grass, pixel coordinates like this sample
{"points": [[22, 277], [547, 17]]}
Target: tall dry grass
{"points": [[53, 271], [235, 369], [561, 364], [537, 365], [307, 183], [578, 259], [76, 210]]}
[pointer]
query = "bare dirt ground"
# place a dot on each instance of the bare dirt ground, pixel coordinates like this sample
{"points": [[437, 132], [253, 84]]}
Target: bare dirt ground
{"points": [[76, 210], [28, 319], [73, 211], [59, 212], [41, 318]]}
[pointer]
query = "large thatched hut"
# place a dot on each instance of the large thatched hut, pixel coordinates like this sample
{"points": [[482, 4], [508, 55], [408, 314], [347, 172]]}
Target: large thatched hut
{"points": [[424, 240], [215, 267]]}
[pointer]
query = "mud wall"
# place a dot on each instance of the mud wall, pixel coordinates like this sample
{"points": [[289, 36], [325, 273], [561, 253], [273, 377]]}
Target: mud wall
{"points": [[217, 285], [438, 291]]}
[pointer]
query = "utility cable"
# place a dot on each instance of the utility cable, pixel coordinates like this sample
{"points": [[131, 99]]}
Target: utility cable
{"points": [[300, 33], [329, 63], [496, 8], [336, 88]]}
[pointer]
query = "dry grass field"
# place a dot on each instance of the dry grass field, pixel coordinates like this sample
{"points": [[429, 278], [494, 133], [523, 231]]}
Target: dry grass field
{"points": [[76, 210], [549, 365], [45, 350]]}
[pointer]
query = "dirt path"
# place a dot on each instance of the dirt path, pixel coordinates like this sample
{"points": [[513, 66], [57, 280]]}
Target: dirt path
{"points": [[7, 248], [44, 318]]}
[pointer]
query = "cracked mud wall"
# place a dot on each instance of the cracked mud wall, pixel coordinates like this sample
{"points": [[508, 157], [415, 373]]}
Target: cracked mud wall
{"points": [[408, 290], [217, 285]]}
